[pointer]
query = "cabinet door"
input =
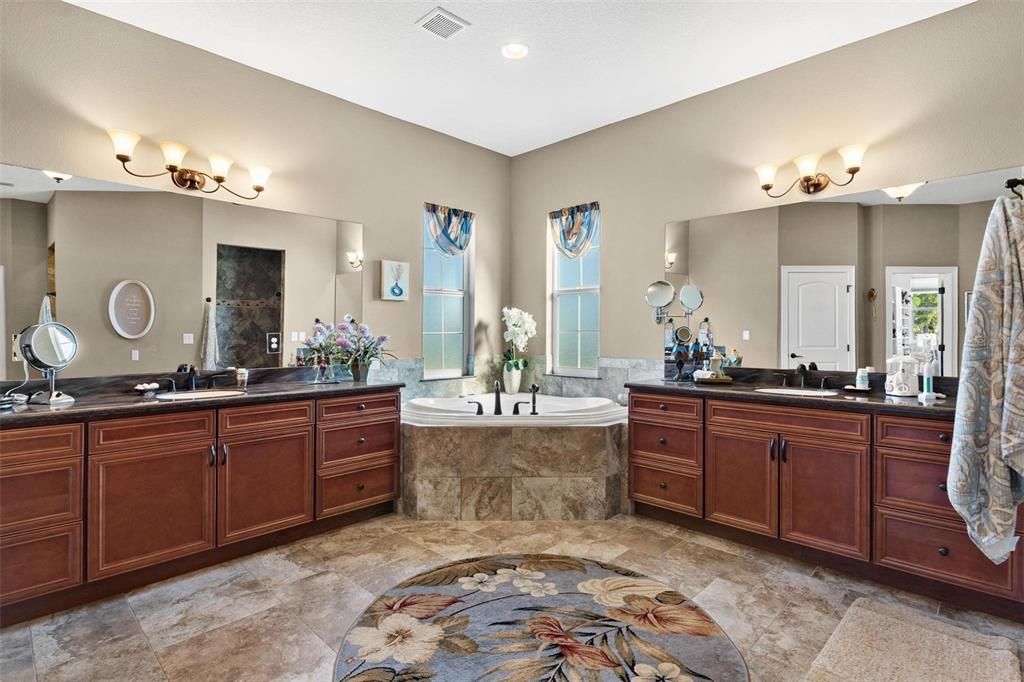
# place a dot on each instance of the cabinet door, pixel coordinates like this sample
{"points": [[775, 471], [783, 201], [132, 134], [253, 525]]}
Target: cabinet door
{"points": [[265, 483], [741, 479], [825, 495], [148, 506]]}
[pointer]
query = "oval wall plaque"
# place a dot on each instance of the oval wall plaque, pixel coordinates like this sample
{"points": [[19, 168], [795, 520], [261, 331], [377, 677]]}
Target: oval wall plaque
{"points": [[131, 309]]}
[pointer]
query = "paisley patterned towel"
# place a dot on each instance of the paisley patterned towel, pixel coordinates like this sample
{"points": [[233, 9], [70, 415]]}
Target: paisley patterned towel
{"points": [[986, 467], [544, 618]]}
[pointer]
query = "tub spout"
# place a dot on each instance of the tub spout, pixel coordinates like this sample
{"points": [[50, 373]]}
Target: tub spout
{"points": [[497, 398]]}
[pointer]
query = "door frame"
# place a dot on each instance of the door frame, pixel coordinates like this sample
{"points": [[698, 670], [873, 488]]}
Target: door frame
{"points": [[786, 270], [952, 284]]}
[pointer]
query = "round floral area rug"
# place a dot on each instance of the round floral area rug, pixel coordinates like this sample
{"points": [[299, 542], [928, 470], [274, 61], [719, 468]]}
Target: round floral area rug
{"points": [[543, 618]]}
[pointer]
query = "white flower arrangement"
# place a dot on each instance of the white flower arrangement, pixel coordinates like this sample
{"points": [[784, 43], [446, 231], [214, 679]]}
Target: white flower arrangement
{"points": [[520, 327]]}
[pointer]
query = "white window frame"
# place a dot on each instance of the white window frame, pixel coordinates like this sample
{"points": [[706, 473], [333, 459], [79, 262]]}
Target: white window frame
{"points": [[555, 295], [468, 317]]}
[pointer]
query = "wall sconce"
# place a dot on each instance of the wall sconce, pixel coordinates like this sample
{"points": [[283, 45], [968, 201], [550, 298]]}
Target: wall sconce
{"points": [[186, 178], [355, 259], [670, 260], [810, 180], [903, 191]]}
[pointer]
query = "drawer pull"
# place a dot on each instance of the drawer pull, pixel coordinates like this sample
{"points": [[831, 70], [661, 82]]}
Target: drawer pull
{"points": [[359, 486], [224, 447], [942, 486], [663, 485], [361, 440], [663, 440], [361, 406], [771, 450], [662, 407], [944, 437], [943, 551], [782, 450], [213, 455]]}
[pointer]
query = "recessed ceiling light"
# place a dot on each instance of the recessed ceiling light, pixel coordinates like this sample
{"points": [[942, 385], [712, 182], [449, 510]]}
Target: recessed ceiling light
{"points": [[514, 51]]}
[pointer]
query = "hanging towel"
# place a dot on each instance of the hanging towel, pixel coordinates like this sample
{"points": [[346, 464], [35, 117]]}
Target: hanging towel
{"points": [[986, 466], [45, 312], [209, 353]]}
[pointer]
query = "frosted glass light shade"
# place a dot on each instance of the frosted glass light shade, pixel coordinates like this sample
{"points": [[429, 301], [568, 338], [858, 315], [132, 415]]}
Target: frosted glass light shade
{"points": [[219, 165], [807, 165], [174, 153], [902, 191], [124, 143], [55, 176], [853, 156], [766, 174], [670, 260], [259, 176]]}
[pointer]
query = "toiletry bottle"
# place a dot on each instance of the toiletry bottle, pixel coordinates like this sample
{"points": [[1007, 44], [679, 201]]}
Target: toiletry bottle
{"points": [[931, 367], [862, 379]]}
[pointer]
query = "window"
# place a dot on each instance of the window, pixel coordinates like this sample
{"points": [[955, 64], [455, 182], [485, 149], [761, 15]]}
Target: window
{"points": [[447, 311], [576, 306]]}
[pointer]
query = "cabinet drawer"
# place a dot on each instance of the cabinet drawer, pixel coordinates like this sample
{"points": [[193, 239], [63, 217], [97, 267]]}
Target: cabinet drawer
{"points": [[940, 549], [111, 435], [677, 489], [357, 406], [40, 494], [666, 407], [34, 444], [341, 489], [912, 481], [794, 420], [339, 442], [236, 420], [40, 561], [678, 441], [916, 434]]}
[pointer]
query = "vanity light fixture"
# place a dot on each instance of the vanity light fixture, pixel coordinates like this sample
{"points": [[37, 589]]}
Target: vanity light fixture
{"points": [[810, 180], [186, 178], [901, 192], [670, 260], [56, 177], [355, 259]]}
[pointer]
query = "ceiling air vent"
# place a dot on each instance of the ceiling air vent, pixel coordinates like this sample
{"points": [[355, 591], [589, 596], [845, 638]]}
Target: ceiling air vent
{"points": [[442, 23]]}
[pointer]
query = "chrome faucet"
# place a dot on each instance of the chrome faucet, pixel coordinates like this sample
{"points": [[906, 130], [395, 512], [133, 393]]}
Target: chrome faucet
{"points": [[497, 398]]}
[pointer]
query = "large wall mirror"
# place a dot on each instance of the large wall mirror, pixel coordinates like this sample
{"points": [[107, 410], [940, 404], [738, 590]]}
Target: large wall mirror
{"points": [[130, 271], [843, 281]]}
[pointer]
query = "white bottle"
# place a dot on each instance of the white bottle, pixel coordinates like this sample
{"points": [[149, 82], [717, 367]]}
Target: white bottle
{"points": [[930, 369], [862, 379]]}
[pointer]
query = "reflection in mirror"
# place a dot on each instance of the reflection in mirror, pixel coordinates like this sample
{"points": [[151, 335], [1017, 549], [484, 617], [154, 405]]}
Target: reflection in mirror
{"points": [[691, 298], [48, 347], [267, 274], [797, 283], [659, 294]]}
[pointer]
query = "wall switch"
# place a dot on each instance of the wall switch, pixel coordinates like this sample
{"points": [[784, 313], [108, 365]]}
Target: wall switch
{"points": [[135, 353], [14, 348], [295, 336], [274, 343], [746, 335], [188, 339], [302, 336]]}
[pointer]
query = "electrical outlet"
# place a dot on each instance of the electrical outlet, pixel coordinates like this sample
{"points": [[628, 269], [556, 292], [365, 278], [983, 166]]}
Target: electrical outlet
{"points": [[135, 353], [746, 335], [14, 348], [274, 343], [188, 339]]}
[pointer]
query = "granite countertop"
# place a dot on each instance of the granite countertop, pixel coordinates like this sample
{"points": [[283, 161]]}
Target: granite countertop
{"points": [[875, 401], [114, 405]]}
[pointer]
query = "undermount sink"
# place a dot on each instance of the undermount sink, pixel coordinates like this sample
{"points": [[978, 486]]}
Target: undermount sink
{"points": [[805, 392], [199, 395]]}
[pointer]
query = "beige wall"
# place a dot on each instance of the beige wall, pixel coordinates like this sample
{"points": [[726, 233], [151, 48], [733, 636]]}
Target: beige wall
{"points": [[67, 74], [933, 99], [102, 238], [23, 248]]}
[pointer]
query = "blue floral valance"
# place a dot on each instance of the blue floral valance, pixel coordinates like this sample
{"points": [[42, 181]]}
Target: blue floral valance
{"points": [[450, 228], [573, 228]]}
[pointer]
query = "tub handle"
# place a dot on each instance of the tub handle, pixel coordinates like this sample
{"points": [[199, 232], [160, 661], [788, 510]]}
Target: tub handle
{"points": [[479, 407]]}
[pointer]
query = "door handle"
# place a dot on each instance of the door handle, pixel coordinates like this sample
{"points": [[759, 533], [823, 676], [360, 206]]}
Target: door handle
{"points": [[794, 355], [782, 450], [213, 454], [771, 450], [224, 448]]}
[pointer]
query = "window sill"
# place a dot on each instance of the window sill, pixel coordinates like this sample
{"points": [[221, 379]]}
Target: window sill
{"points": [[583, 374], [461, 377]]}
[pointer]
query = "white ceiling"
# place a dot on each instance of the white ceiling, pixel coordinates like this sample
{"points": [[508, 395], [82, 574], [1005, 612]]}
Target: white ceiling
{"points": [[591, 63], [29, 184], [965, 189]]}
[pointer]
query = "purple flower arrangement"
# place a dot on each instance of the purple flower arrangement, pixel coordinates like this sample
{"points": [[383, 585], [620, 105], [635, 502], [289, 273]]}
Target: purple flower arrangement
{"points": [[347, 342]]}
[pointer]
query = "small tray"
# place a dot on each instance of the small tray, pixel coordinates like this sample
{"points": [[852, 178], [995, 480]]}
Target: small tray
{"points": [[713, 380], [854, 389]]}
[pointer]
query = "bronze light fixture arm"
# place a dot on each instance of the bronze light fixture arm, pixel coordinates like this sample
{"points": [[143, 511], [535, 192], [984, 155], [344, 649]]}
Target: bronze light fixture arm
{"points": [[124, 164]]}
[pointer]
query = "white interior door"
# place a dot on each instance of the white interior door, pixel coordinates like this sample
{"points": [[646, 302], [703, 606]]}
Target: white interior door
{"points": [[817, 317]]}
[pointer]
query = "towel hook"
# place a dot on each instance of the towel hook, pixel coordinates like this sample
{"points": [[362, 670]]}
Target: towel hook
{"points": [[1015, 185]]}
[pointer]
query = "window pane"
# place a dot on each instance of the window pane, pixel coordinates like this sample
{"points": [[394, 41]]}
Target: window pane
{"points": [[568, 312], [568, 272], [432, 351], [452, 313], [432, 312], [926, 300], [453, 350], [453, 270], [596, 239], [592, 268], [588, 350], [589, 312], [431, 268], [568, 349]]}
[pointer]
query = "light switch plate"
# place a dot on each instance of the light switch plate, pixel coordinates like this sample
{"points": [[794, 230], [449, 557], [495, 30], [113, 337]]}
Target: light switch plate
{"points": [[14, 348], [295, 336], [135, 353], [188, 339], [302, 336], [274, 343], [746, 335]]}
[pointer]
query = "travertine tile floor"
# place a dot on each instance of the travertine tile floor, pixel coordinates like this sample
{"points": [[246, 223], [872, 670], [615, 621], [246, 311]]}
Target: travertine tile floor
{"points": [[281, 614]]}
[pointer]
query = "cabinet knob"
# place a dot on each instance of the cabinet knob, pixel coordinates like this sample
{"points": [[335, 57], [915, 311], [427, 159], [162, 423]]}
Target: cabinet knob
{"points": [[942, 486], [663, 440], [943, 551], [663, 485], [361, 406], [944, 437], [663, 407], [360, 486], [361, 440]]}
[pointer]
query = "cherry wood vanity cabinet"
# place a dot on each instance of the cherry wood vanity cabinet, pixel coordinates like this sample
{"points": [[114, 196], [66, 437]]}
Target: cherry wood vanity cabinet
{"points": [[358, 449], [40, 510], [666, 457]]}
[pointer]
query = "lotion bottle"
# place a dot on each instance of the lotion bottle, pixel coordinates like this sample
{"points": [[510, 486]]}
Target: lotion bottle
{"points": [[930, 369]]}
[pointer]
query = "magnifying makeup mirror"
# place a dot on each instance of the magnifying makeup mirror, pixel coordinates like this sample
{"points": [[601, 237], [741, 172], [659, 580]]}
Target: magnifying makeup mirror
{"points": [[690, 297], [49, 347], [683, 335], [659, 295]]}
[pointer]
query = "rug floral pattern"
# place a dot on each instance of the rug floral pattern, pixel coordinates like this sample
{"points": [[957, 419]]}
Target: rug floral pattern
{"points": [[543, 618]]}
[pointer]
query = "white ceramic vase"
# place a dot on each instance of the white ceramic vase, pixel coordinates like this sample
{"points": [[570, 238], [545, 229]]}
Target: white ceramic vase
{"points": [[512, 379]]}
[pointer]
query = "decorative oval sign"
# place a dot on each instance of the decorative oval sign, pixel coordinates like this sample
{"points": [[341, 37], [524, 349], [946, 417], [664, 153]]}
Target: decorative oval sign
{"points": [[131, 309]]}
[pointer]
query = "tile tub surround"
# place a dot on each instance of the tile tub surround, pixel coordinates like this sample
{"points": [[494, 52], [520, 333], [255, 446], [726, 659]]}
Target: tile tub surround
{"points": [[513, 473], [282, 613]]}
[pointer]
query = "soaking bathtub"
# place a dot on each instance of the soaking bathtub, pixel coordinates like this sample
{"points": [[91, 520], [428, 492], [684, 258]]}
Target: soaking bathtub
{"points": [[552, 411]]}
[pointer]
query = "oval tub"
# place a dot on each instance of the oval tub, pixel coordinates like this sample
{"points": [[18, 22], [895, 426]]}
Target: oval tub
{"points": [[552, 411]]}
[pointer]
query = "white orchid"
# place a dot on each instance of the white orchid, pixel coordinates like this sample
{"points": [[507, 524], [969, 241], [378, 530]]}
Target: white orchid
{"points": [[535, 589], [517, 574], [481, 582], [520, 327], [399, 636], [665, 672]]}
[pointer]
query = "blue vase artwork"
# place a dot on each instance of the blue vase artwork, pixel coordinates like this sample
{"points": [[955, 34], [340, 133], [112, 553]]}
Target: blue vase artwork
{"points": [[394, 281]]}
